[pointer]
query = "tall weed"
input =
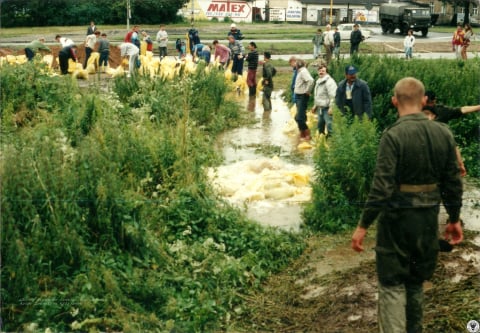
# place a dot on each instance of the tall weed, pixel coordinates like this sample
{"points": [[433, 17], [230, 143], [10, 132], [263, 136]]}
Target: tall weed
{"points": [[454, 82], [108, 221], [343, 173]]}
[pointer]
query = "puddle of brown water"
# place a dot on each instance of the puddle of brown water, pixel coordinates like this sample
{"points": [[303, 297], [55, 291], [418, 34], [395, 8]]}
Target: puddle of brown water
{"points": [[266, 146]]}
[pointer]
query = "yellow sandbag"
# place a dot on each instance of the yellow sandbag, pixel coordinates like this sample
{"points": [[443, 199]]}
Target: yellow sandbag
{"points": [[91, 69], [119, 71], [21, 59], [80, 74], [72, 66], [143, 47], [94, 58], [11, 59], [299, 178], [279, 193], [48, 59], [305, 145], [259, 86], [228, 74], [149, 55]]}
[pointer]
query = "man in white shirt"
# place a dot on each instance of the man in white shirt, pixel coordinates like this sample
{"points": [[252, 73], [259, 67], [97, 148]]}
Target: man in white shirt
{"points": [[64, 41], [130, 51], [162, 39], [90, 43], [328, 42]]}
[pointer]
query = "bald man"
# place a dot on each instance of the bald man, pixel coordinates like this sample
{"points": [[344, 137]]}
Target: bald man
{"points": [[416, 170]]}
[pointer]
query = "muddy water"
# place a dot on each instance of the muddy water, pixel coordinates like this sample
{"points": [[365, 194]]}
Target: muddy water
{"points": [[265, 172]]}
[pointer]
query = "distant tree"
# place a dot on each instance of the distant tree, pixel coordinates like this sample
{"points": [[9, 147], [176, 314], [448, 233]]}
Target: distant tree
{"points": [[155, 11], [30, 13]]}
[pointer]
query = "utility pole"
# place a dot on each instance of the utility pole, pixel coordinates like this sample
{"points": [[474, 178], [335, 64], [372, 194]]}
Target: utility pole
{"points": [[129, 14], [331, 10]]}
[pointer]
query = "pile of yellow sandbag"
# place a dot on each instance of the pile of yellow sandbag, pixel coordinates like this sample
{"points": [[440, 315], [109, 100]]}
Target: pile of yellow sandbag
{"points": [[266, 179]]}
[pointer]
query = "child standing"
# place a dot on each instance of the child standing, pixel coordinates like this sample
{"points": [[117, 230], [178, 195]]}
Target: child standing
{"points": [[104, 50], [408, 44]]}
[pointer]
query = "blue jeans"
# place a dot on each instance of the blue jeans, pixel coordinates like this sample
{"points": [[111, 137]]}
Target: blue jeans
{"points": [[317, 51], [408, 52], [104, 58], [237, 66], [301, 100], [324, 119]]}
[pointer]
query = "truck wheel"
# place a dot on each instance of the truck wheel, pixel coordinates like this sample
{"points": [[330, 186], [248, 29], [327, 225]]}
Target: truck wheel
{"points": [[384, 28], [424, 32], [391, 29]]}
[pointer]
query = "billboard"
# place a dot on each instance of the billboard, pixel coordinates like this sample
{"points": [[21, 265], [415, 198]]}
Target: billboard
{"points": [[226, 8], [239, 10], [277, 14], [362, 16]]}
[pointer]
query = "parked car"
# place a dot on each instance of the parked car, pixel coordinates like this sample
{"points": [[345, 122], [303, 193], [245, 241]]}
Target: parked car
{"points": [[346, 28]]}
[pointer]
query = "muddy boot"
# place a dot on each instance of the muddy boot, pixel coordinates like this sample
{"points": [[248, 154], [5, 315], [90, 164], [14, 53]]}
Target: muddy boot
{"points": [[306, 135]]}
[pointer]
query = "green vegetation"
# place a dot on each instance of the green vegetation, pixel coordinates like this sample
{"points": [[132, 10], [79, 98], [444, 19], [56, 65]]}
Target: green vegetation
{"points": [[108, 221], [343, 173]]}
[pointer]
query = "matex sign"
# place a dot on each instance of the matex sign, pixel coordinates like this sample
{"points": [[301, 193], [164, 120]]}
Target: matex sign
{"points": [[226, 8]]}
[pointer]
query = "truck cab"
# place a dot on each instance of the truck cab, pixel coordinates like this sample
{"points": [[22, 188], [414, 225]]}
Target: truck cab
{"points": [[404, 16], [417, 19]]}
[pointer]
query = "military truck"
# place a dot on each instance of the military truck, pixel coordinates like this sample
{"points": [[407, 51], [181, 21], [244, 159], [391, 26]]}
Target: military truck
{"points": [[405, 16]]}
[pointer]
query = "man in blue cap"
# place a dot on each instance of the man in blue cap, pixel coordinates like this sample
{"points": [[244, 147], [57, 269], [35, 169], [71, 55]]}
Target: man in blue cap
{"points": [[353, 95]]}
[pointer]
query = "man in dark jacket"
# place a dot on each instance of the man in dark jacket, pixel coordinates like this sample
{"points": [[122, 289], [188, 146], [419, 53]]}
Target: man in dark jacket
{"points": [[68, 52], [416, 169], [235, 32], [354, 94], [267, 76], [252, 60], [445, 113], [356, 38]]}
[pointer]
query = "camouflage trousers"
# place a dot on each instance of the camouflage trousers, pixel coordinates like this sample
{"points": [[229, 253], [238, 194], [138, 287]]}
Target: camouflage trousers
{"points": [[400, 308]]}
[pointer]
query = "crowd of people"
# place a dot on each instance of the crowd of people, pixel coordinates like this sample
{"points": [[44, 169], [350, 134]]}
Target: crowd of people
{"points": [[326, 44]]}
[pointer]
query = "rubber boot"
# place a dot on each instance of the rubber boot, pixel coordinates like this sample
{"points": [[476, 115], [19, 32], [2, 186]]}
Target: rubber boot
{"points": [[306, 135], [252, 91], [302, 135]]}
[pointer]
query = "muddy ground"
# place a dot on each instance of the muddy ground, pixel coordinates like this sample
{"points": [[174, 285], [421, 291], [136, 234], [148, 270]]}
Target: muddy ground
{"points": [[327, 291]]}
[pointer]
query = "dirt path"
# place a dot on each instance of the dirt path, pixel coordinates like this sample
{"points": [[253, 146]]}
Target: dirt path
{"points": [[328, 290]]}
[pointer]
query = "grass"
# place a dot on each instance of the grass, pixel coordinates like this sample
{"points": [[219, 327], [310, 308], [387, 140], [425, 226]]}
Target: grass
{"points": [[209, 30]]}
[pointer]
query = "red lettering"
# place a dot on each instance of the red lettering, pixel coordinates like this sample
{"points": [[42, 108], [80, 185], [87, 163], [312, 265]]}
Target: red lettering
{"points": [[237, 8], [216, 7]]}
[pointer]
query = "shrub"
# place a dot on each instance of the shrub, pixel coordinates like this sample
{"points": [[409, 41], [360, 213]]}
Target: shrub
{"points": [[343, 173], [454, 82]]}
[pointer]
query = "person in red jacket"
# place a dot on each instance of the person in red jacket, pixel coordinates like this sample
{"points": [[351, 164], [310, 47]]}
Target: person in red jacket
{"points": [[457, 41]]}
